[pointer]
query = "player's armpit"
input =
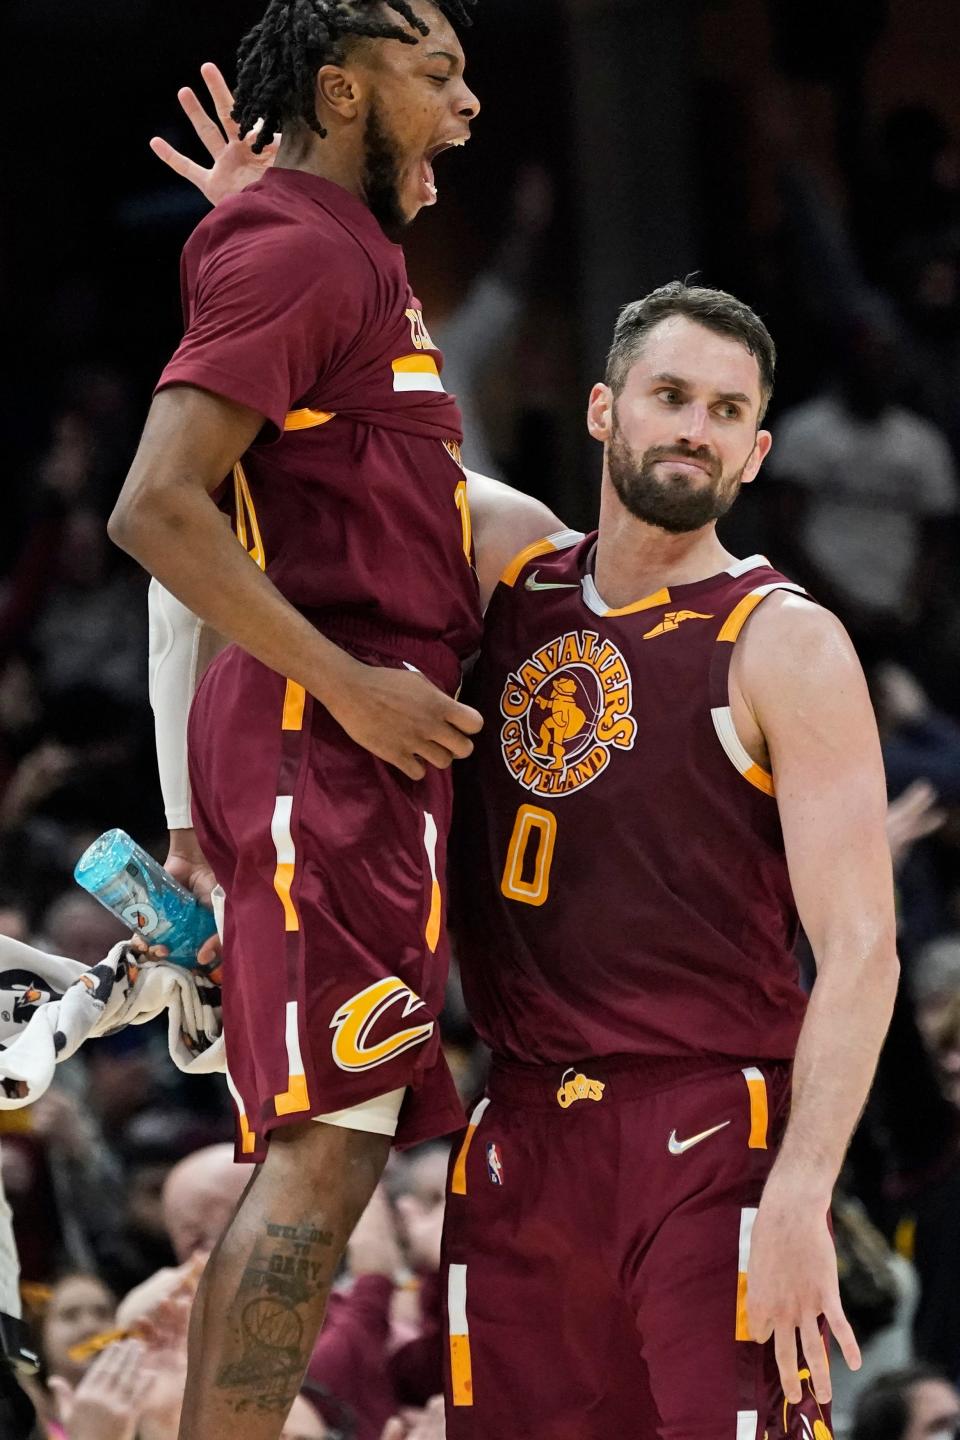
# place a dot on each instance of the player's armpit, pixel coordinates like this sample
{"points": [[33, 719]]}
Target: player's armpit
{"points": [[504, 522]]}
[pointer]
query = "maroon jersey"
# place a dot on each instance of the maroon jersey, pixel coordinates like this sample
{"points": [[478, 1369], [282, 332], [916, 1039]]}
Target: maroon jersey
{"points": [[352, 498], [622, 881]]}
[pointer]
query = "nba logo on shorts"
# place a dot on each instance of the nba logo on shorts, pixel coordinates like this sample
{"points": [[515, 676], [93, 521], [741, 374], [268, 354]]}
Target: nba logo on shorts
{"points": [[494, 1164]]}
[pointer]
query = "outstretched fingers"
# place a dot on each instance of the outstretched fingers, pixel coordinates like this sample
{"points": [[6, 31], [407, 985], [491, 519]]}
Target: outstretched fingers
{"points": [[220, 94], [208, 131], [180, 164]]}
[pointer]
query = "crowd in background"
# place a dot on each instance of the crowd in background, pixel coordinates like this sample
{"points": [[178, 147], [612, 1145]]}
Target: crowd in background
{"points": [[119, 1178]]}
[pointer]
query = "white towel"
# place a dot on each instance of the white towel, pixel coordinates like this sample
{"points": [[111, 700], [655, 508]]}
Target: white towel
{"points": [[50, 1006]]}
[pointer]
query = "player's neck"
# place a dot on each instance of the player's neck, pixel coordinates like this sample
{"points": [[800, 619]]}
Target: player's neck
{"points": [[634, 559], [332, 159]]}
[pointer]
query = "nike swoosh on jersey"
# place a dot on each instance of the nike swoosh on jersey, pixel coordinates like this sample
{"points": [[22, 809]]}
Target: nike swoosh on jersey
{"points": [[678, 1147], [534, 584]]}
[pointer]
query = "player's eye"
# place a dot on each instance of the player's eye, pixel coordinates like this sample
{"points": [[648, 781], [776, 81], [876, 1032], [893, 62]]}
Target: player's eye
{"points": [[730, 412], [439, 79], [671, 397]]}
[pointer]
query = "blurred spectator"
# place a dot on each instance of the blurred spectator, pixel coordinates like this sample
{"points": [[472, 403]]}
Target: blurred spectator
{"points": [[865, 486], [484, 325], [935, 985], [80, 1306], [917, 1403], [94, 622], [199, 1197], [77, 1307]]}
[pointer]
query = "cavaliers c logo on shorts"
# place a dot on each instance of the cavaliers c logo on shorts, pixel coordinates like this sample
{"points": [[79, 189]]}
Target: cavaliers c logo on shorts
{"points": [[565, 709], [356, 1019]]}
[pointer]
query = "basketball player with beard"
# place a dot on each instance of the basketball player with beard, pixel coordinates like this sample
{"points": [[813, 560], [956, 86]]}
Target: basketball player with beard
{"points": [[637, 1237], [321, 738]]}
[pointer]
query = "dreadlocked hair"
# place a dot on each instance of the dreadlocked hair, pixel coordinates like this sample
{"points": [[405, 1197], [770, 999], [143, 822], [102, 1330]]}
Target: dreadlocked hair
{"points": [[278, 61]]}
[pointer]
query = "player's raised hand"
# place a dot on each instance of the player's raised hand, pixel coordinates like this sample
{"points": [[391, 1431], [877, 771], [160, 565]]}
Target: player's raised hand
{"points": [[235, 166], [400, 717], [792, 1281]]}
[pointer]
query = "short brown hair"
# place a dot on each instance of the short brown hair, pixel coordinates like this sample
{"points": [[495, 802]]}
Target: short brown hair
{"points": [[713, 309]]}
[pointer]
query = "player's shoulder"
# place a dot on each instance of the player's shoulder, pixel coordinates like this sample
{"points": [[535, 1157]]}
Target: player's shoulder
{"points": [[555, 554], [258, 228], [791, 640]]}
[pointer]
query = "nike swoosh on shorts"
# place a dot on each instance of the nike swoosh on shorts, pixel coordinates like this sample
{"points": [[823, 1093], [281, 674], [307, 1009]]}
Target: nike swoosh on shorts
{"points": [[678, 1147]]}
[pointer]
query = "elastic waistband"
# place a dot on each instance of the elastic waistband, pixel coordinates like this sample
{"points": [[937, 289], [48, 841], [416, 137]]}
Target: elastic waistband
{"points": [[622, 1077], [357, 633]]}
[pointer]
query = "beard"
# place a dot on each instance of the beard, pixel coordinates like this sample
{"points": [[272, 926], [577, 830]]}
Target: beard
{"points": [[381, 176], [675, 502]]}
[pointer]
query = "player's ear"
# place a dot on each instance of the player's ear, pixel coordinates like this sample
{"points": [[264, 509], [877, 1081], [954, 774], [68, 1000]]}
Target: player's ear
{"points": [[761, 450], [338, 90], [600, 413]]}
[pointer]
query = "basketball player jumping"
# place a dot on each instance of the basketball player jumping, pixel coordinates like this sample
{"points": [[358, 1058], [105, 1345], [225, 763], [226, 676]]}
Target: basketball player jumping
{"points": [[321, 738]]}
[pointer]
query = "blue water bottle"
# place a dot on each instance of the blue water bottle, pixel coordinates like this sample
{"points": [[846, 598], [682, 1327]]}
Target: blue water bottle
{"points": [[137, 890]]}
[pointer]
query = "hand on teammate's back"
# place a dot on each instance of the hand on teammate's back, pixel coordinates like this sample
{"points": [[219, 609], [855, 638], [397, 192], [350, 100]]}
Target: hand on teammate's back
{"points": [[400, 717], [792, 1282], [235, 166]]}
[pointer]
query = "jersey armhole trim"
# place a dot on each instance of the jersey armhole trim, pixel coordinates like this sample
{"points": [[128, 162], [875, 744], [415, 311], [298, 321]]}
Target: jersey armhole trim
{"points": [[559, 540], [722, 715], [740, 757]]}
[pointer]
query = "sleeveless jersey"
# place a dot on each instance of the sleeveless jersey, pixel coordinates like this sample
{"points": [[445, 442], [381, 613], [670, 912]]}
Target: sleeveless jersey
{"points": [[622, 886], [352, 498]]}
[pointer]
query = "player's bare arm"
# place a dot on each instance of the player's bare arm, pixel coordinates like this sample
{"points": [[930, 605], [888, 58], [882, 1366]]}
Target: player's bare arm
{"points": [[504, 521], [798, 694], [165, 518]]}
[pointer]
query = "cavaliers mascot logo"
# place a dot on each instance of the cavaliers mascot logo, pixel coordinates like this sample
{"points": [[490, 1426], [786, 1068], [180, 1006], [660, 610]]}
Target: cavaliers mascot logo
{"points": [[565, 709]]}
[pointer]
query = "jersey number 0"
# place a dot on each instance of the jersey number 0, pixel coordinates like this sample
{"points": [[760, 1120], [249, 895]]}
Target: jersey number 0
{"points": [[526, 874]]}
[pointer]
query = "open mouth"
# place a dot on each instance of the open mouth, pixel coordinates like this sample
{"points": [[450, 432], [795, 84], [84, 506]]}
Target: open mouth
{"points": [[427, 176]]}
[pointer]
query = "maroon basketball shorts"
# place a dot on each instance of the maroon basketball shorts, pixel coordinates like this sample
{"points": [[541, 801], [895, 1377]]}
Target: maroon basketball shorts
{"points": [[596, 1248], [333, 865]]}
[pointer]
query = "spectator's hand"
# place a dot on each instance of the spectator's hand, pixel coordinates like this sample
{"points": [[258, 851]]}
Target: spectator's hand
{"points": [[903, 699], [234, 164], [428, 1424], [36, 777], [912, 816], [373, 1248], [148, 1301], [167, 1325], [401, 718], [109, 1400], [792, 1282]]}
